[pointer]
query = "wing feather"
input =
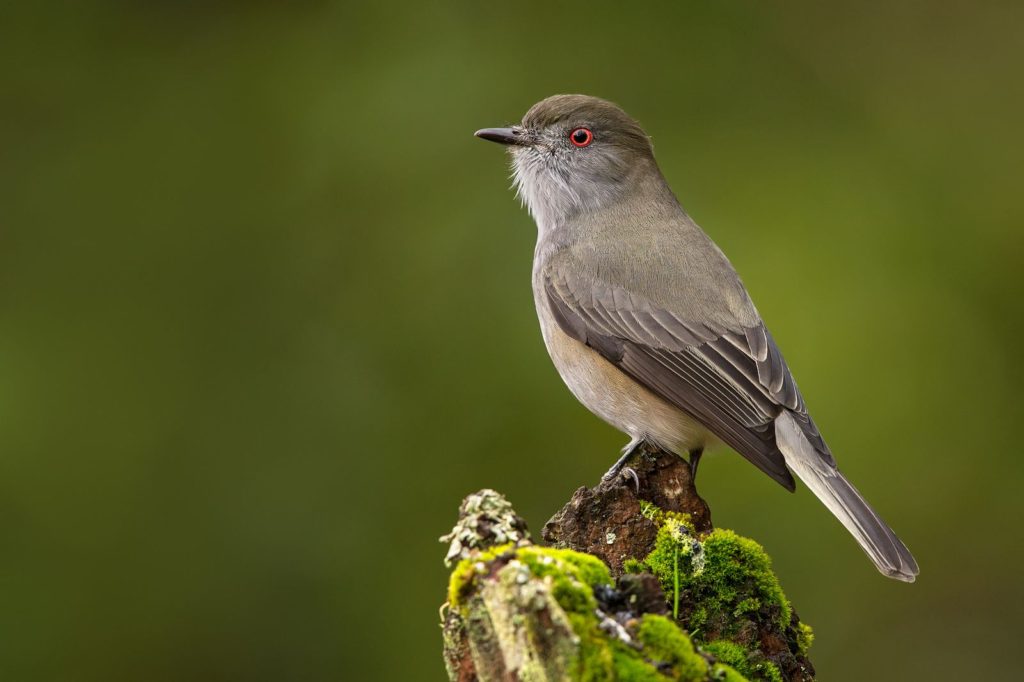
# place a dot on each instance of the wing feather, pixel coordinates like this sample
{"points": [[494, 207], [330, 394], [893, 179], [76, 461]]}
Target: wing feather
{"points": [[734, 381]]}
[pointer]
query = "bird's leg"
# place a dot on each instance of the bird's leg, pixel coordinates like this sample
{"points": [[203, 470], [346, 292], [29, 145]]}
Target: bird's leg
{"points": [[694, 461], [620, 465]]}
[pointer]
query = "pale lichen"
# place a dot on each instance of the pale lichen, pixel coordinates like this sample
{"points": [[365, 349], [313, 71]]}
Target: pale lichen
{"points": [[486, 519]]}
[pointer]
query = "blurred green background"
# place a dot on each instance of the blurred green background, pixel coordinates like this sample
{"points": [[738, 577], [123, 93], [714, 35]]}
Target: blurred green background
{"points": [[265, 315]]}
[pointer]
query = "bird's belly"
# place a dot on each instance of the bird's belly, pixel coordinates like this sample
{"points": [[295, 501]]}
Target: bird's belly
{"points": [[615, 397]]}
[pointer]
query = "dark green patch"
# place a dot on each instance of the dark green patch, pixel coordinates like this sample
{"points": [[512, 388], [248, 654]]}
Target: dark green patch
{"points": [[666, 644], [748, 663], [723, 591], [735, 584]]}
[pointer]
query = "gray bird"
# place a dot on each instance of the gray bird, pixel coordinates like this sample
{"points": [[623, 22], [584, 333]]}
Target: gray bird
{"points": [[647, 321]]}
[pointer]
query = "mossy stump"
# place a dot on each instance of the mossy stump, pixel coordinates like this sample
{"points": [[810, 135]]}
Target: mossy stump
{"points": [[637, 586]]}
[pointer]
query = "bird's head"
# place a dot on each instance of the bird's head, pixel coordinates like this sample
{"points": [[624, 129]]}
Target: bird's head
{"points": [[573, 153]]}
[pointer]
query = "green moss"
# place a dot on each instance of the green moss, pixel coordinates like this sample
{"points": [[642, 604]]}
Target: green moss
{"points": [[766, 670], [724, 578], [729, 653], [737, 580], [664, 642], [722, 588], [573, 575], [664, 653], [650, 510], [676, 551], [724, 673], [586, 568], [461, 579], [749, 664], [804, 638], [595, 660], [630, 668]]}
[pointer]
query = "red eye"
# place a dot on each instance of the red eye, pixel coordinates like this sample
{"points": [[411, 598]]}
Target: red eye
{"points": [[581, 137]]}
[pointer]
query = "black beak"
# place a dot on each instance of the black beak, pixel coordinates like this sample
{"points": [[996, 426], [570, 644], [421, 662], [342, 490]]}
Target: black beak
{"points": [[513, 136]]}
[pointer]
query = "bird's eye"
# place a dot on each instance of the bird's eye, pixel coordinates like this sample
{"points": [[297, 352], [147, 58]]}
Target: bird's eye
{"points": [[581, 137]]}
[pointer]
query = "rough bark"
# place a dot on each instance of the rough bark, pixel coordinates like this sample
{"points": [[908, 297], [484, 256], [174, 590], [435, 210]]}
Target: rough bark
{"points": [[606, 520]]}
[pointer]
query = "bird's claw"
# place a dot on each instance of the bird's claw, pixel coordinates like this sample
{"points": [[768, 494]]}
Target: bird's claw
{"points": [[626, 472], [630, 472]]}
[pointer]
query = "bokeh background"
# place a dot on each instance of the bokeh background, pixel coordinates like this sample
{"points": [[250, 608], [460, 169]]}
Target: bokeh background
{"points": [[265, 315]]}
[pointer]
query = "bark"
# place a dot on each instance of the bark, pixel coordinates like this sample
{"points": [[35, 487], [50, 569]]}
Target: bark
{"points": [[606, 520]]}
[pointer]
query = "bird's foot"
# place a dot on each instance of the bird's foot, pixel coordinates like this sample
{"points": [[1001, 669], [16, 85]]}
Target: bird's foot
{"points": [[627, 472], [620, 465]]}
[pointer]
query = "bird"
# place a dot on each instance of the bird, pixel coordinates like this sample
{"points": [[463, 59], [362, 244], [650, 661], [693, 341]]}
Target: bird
{"points": [[647, 321]]}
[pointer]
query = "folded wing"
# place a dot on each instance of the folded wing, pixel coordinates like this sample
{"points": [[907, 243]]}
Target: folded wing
{"points": [[732, 380]]}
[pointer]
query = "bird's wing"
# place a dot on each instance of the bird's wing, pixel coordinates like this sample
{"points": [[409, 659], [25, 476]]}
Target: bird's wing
{"points": [[732, 380]]}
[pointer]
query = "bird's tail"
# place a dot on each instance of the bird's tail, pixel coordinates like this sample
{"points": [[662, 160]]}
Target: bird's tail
{"points": [[880, 543]]}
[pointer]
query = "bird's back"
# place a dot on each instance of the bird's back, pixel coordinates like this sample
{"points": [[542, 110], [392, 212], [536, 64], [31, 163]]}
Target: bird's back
{"points": [[652, 249]]}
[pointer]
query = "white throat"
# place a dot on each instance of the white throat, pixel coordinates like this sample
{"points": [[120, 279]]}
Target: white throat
{"points": [[544, 189], [555, 188]]}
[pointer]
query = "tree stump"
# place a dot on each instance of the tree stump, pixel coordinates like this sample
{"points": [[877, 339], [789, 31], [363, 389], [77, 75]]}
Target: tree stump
{"points": [[636, 584]]}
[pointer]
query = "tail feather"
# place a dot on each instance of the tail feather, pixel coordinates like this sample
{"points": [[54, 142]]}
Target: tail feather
{"points": [[880, 543]]}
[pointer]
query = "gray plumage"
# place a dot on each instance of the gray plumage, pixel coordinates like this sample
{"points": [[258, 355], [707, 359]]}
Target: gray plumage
{"points": [[647, 321]]}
